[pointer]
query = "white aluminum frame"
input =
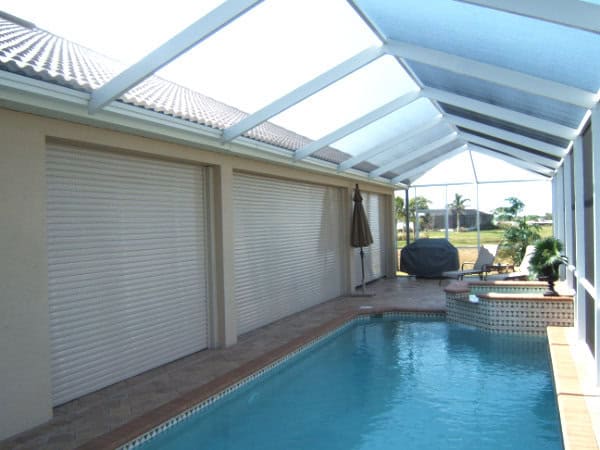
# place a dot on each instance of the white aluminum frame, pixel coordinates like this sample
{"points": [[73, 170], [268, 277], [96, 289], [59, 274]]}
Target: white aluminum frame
{"points": [[418, 171], [494, 74], [550, 149], [415, 152], [526, 165], [167, 52], [498, 112], [512, 151], [574, 14], [357, 124], [315, 85], [394, 143]]}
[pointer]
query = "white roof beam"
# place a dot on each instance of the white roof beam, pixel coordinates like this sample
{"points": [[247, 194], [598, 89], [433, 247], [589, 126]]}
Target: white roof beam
{"points": [[507, 115], [574, 14], [517, 153], [306, 90], [495, 74], [391, 144], [167, 52], [530, 167], [413, 153], [535, 144], [359, 123], [418, 171]]}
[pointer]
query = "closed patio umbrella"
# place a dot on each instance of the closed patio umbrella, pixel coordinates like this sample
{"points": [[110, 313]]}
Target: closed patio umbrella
{"points": [[360, 234]]}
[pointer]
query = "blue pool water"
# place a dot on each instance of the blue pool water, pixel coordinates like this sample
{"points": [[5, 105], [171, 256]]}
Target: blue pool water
{"points": [[390, 384]]}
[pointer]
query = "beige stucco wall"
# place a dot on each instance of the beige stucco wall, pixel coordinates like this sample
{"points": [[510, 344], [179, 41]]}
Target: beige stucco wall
{"points": [[24, 348], [24, 338]]}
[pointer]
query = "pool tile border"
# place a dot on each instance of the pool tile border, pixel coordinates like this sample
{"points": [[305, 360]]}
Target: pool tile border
{"points": [[147, 426]]}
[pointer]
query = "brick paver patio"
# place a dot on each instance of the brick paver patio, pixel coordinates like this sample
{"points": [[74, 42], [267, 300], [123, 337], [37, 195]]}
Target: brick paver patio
{"points": [[101, 415]]}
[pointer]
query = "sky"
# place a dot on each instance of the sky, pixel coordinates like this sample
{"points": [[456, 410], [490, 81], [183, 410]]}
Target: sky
{"points": [[257, 59], [535, 194]]}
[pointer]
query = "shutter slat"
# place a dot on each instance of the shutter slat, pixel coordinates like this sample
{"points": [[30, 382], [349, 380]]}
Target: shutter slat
{"points": [[373, 254]]}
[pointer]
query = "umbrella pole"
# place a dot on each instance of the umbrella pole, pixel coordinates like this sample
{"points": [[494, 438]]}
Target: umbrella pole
{"points": [[362, 267]]}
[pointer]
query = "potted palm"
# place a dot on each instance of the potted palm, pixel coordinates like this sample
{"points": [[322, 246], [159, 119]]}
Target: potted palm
{"points": [[546, 261]]}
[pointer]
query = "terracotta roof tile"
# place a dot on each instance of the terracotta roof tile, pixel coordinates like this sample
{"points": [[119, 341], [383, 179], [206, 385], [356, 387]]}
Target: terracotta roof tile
{"points": [[41, 55]]}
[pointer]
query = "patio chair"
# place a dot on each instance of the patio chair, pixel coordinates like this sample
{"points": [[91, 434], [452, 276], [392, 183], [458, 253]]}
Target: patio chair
{"points": [[485, 258], [522, 272]]}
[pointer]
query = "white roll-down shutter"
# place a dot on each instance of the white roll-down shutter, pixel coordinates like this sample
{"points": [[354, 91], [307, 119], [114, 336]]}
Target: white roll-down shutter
{"points": [[288, 248], [375, 253], [126, 266]]}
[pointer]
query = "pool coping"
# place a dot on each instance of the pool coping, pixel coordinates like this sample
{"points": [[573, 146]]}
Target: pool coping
{"points": [[153, 419], [574, 394]]}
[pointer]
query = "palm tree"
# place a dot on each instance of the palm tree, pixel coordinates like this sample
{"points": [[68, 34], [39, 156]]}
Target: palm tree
{"points": [[417, 204], [509, 213], [458, 206], [400, 212]]}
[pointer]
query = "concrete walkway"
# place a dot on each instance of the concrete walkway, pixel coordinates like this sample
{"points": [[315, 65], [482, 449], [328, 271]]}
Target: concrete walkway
{"points": [[105, 412]]}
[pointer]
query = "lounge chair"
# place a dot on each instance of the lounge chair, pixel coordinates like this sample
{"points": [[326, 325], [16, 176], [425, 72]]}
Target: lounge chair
{"points": [[522, 272], [485, 258]]}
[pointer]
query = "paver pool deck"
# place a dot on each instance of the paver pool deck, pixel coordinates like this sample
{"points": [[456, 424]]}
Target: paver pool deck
{"points": [[109, 416]]}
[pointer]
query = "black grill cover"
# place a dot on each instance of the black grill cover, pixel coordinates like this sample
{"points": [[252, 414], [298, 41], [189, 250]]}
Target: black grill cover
{"points": [[429, 258]]}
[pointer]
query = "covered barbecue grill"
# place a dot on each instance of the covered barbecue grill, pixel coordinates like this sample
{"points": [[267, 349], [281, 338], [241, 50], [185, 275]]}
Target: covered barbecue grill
{"points": [[428, 258]]}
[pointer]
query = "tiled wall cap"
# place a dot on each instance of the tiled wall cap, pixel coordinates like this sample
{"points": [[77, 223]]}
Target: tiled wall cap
{"points": [[513, 283], [540, 297], [457, 287]]}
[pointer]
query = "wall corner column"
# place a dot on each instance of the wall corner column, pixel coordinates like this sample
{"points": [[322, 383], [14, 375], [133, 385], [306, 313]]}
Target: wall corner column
{"points": [[26, 390], [222, 234]]}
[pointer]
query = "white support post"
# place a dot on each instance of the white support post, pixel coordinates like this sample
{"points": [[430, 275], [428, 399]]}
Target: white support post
{"points": [[596, 221], [446, 216], [559, 192], [580, 238], [416, 224], [558, 203], [568, 215], [477, 219]]}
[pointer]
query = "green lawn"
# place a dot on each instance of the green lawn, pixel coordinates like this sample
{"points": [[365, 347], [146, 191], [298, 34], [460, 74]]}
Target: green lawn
{"points": [[469, 238]]}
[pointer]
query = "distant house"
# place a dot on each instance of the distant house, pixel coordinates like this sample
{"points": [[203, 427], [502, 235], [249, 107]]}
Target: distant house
{"points": [[468, 219]]}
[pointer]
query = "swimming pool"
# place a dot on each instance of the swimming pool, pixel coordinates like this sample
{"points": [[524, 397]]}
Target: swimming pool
{"points": [[387, 384]]}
